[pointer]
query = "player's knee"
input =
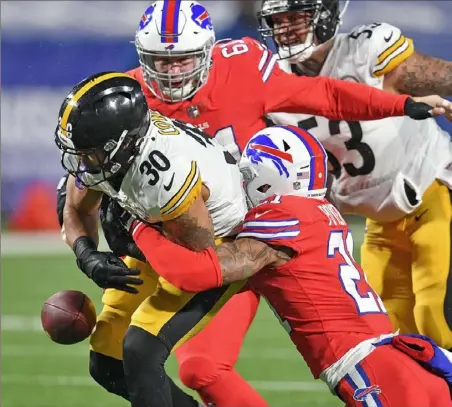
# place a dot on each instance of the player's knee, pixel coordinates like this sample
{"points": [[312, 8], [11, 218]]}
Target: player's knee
{"points": [[142, 348], [199, 371], [109, 373]]}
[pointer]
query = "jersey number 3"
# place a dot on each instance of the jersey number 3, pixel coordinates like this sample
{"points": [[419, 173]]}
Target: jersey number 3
{"points": [[354, 144], [350, 275]]}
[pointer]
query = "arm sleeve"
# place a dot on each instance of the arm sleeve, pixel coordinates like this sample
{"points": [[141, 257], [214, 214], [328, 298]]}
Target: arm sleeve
{"points": [[189, 271], [331, 98], [280, 91]]}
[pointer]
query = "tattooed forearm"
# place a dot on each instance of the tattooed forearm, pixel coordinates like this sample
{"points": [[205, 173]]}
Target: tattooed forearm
{"points": [[422, 75], [245, 257], [190, 232]]}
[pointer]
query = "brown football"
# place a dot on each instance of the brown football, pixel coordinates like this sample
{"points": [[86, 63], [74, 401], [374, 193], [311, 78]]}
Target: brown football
{"points": [[68, 317]]}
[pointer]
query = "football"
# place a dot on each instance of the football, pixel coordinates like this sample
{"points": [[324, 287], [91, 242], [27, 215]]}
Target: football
{"points": [[68, 317]]}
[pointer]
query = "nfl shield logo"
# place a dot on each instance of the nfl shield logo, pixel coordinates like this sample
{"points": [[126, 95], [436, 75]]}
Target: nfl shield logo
{"points": [[193, 112]]}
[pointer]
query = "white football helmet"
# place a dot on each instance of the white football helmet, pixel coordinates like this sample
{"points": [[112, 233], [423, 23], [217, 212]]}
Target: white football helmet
{"points": [[283, 160], [175, 29]]}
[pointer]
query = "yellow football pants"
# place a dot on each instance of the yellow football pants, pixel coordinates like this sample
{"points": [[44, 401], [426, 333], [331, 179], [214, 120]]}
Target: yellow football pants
{"points": [[159, 308], [408, 263]]}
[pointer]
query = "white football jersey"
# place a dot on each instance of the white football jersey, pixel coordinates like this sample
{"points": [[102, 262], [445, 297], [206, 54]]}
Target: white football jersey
{"points": [[372, 160], [165, 178]]}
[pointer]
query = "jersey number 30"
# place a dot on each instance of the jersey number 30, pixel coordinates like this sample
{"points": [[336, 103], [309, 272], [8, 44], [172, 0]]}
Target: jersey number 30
{"points": [[350, 275]]}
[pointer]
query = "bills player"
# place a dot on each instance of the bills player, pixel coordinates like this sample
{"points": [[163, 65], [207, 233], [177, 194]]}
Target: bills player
{"points": [[396, 172], [297, 249]]}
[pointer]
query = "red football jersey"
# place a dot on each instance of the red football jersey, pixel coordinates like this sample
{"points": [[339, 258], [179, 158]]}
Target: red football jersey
{"points": [[245, 83], [321, 296]]}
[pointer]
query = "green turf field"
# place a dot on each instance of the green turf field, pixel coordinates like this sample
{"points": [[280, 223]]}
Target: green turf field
{"points": [[39, 373]]}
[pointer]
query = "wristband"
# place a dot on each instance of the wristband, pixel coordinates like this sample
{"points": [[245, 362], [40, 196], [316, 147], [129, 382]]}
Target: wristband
{"points": [[82, 246]]}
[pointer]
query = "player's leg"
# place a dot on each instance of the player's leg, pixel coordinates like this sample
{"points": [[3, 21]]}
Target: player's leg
{"points": [[106, 365], [162, 323], [430, 230], [206, 362], [386, 260], [390, 378]]}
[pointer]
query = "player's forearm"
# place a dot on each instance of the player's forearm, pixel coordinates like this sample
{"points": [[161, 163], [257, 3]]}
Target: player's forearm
{"points": [[188, 270], [422, 75], [337, 100], [243, 258], [78, 224]]}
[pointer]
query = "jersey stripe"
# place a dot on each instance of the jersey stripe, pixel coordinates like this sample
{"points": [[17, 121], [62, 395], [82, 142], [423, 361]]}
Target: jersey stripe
{"points": [[270, 224], [267, 71], [388, 51], [318, 172], [270, 236], [183, 198], [395, 59], [170, 21], [81, 92]]}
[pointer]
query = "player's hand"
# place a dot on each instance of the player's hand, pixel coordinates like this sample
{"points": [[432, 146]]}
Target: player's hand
{"points": [[420, 108], [118, 238], [104, 268]]}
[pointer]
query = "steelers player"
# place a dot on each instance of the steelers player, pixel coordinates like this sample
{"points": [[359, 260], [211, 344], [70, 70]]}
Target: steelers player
{"points": [[396, 172], [164, 172]]}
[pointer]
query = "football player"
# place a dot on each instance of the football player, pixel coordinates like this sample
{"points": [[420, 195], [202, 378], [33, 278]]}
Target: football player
{"points": [[396, 172], [185, 76], [166, 173], [301, 249]]}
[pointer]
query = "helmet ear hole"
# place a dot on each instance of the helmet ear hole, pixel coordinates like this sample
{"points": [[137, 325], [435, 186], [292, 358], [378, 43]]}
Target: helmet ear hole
{"points": [[264, 188]]}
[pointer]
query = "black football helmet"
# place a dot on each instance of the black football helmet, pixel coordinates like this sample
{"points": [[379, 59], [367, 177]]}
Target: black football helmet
{"points": [[324, 22], [99, 124]]}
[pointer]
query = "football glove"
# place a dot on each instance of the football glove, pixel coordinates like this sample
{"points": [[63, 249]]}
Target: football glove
{"points": [[420, 108], [118, 238], [104, 268]]}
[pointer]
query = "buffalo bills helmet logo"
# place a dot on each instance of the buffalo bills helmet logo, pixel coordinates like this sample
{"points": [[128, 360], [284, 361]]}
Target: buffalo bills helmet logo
{"points": [[146, 18], [201, 17], [261, 147]]}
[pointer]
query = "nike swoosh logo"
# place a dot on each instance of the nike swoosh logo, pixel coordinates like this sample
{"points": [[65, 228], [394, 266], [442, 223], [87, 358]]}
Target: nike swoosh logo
{"points": [[417, 217], [387, 39], [258, 215], [168, 187]]}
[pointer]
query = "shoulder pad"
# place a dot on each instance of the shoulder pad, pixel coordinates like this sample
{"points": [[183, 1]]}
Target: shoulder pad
{"points": [[253, 55], [384, 46], [135, 73]]}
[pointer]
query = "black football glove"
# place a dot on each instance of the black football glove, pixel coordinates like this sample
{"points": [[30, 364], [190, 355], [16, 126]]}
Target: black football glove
{"points": [[104, 268], [61, 198], [418, 110], [118, 238]]}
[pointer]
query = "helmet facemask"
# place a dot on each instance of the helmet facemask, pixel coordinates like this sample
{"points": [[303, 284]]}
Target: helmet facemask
{"points": [[298, 27], [103, 162], [175, 87]]}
